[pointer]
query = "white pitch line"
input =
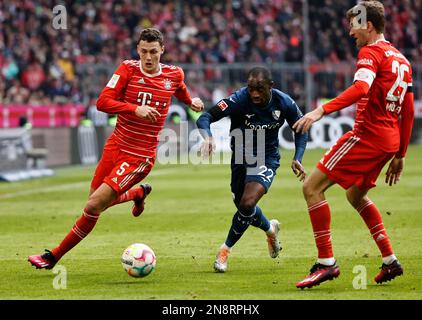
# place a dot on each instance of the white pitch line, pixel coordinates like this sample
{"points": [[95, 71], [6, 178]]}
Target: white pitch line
{"points": [[72, 186]]}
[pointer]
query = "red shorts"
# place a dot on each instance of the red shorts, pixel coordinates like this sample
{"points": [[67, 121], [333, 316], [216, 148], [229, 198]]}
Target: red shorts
{"points": [[120, 170], [354, 161]]}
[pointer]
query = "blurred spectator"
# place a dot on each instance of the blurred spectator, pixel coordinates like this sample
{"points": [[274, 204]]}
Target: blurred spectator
{"points": [[219, 93], [33, 76], [57, 64], [17, 93], [9, 69]]}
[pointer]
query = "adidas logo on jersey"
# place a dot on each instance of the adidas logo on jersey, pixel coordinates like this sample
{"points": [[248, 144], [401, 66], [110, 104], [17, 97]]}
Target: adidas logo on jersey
{"points": [[141, 80], [114, 179]]}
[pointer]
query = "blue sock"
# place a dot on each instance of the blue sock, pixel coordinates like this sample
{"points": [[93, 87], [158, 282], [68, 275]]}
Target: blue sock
{"points": [[260, 220], [240, 222]]}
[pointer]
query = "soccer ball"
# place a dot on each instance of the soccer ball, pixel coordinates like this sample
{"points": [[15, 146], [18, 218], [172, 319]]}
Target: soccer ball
{"points": [[138, 260]]}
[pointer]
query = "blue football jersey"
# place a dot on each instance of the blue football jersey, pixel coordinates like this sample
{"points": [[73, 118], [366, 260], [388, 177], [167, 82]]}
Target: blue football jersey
{"points": [[244, 115]]}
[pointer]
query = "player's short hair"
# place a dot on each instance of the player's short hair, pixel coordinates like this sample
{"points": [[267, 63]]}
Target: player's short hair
{"points": [[260, 71], [374, 13], [151, 35]]}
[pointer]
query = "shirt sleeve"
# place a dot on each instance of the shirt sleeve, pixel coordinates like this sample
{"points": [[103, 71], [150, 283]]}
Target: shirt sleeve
{"points": [[292, 113], [366, 72], [367, 65], [109, 100], [182, 93], [406, 120], [223, 108], [354, 93]]}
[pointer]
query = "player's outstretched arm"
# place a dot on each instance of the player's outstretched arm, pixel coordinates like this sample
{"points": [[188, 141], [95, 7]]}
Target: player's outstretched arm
{"points": [[351, 95], [304, 124]]}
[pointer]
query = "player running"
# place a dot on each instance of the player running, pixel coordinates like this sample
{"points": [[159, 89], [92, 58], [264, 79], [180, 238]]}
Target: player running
{"points": [[261, 110], [382, 89], [140, 92]]}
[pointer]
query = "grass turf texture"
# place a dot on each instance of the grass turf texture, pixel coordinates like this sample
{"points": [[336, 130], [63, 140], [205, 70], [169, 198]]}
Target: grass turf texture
{"points": [[186, 219]]}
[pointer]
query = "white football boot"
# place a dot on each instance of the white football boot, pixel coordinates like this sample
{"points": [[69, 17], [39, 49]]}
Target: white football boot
{"points": [[274, 246], [220, 263]]}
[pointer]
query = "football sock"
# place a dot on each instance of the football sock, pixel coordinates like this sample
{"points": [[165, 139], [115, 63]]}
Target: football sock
{"points": [[373, 219], [327, 261], [260, 220], [134, 193], [224, 247], [389, 259], [80, 230], [240, 222], [320, 216]]}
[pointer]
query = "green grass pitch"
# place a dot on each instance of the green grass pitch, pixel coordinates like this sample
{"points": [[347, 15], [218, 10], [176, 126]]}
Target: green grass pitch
{"points": [[186, 219]]}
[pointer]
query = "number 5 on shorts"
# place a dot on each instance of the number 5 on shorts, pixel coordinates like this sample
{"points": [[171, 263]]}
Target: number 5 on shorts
{"points": [[122, 169]]}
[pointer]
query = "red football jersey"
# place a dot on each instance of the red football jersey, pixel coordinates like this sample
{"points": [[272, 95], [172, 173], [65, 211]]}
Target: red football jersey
{"points": [[130, 87], [389, 75]]}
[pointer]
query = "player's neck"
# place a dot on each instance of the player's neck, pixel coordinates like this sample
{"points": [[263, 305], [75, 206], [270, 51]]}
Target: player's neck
{"points": [[376, 37], [153, 73]]}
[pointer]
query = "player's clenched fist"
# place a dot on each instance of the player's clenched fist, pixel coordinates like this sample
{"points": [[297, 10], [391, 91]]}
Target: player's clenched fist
{"points": [[147, 112], [197, 105]]}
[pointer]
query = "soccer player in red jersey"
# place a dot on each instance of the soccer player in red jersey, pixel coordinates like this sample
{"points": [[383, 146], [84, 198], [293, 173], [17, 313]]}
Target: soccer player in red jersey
{"points": [[382, 89], [140, 92]]}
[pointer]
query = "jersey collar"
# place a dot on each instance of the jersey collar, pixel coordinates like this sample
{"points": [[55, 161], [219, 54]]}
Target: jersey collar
{"points": [[149, 74], [271, 99], [380, 40]]}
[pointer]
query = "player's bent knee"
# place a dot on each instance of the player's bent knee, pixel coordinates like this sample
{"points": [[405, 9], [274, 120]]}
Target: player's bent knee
{"points": [[356, 201], [352, 200], [95, 205], [356, 197], [308, 190], [247, 204], [312, 193]]}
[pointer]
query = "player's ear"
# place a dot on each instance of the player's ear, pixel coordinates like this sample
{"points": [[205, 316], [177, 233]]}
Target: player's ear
{"points": [[271, 83], [162, 49], [369, 26]]}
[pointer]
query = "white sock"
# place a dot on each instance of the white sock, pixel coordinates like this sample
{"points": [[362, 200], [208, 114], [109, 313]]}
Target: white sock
{"points": [[327, 261], [225, 246], [389, 259], [270, 230]]}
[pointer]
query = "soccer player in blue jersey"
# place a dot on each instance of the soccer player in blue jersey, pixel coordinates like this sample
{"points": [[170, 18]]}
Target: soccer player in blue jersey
{"points": [[257, 113]]}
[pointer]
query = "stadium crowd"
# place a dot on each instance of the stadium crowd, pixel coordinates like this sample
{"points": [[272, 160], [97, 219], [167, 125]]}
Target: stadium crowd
{"points": [[42, 65]]}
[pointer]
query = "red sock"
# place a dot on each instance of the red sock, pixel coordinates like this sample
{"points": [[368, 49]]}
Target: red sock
{"points": [[321, 219], [80, 230], [373, 219], [129, 195]]}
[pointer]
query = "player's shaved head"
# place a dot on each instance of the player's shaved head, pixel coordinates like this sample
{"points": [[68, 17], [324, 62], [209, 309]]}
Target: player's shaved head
{"points": [[259, 85], [151, 35], [260, 72]]}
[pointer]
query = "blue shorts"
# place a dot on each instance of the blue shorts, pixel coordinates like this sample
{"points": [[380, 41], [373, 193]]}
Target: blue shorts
{"points": [[242, 174]]}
